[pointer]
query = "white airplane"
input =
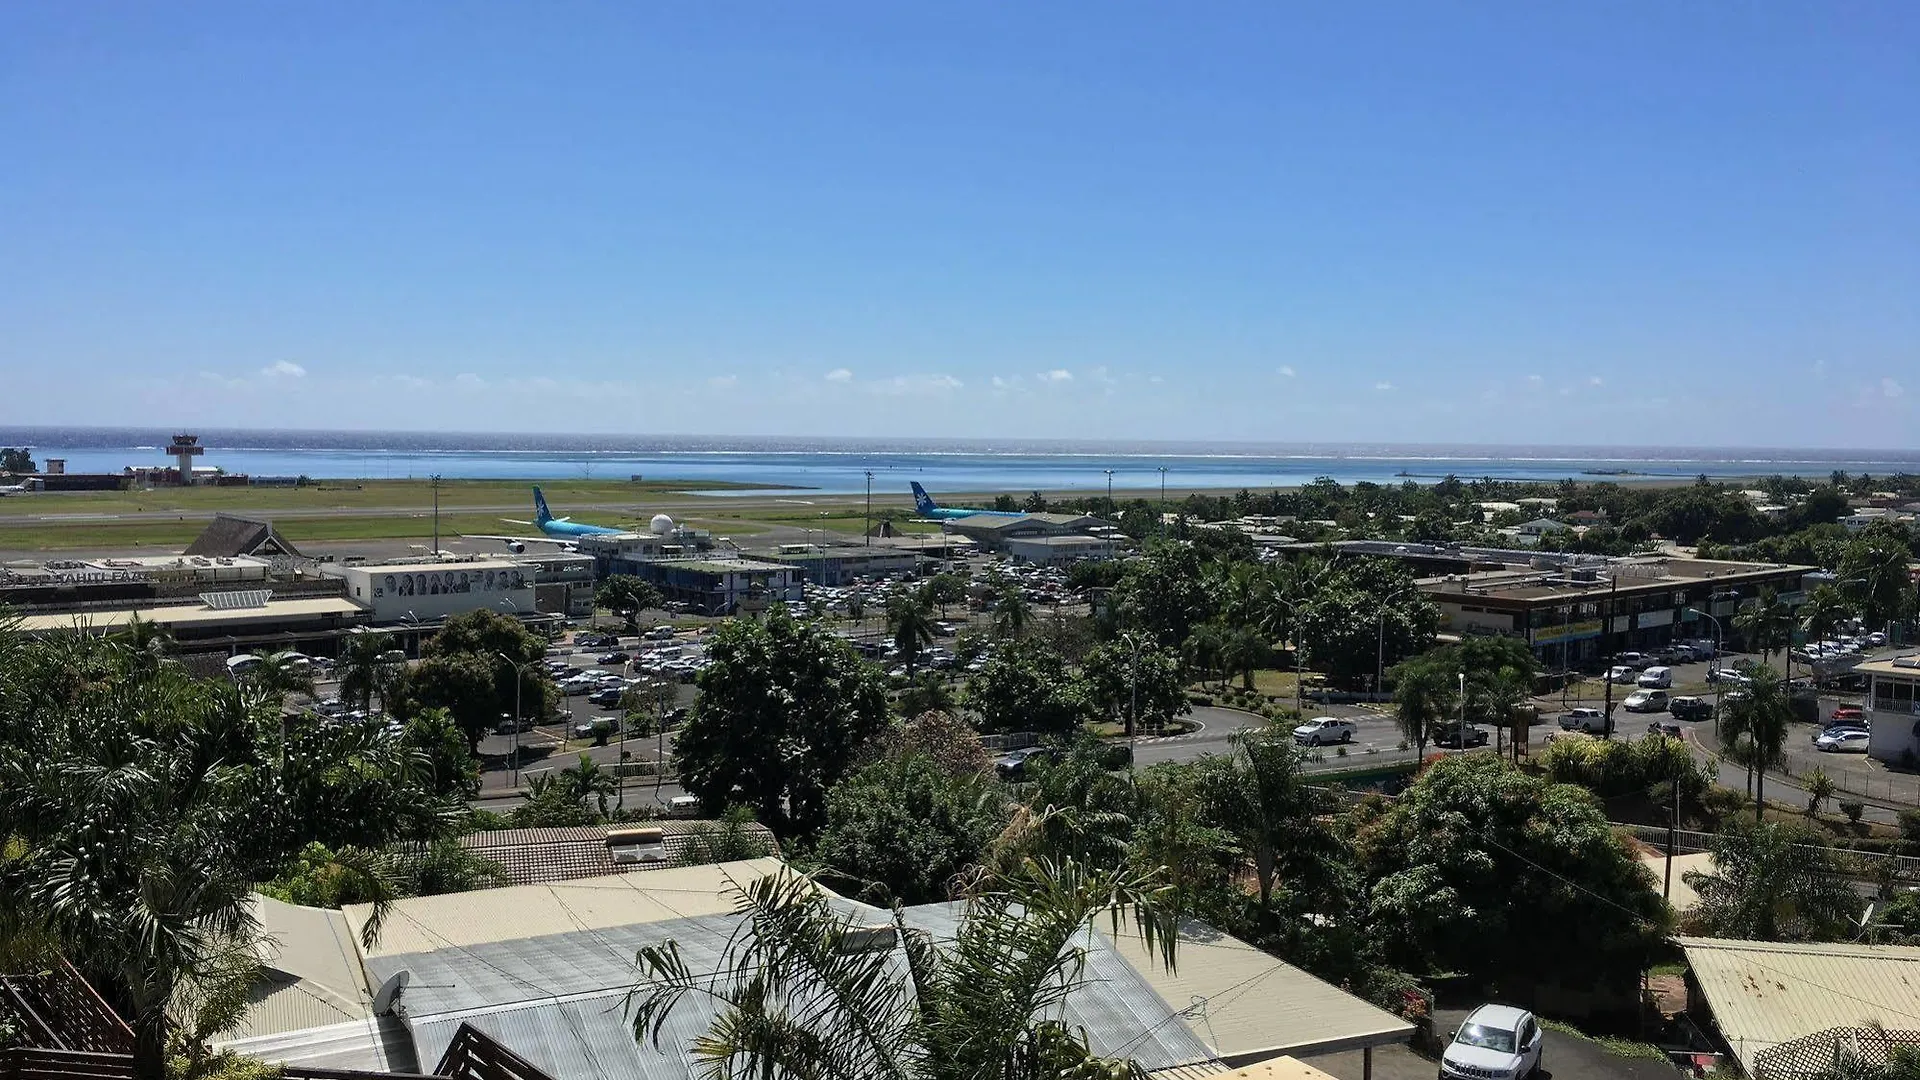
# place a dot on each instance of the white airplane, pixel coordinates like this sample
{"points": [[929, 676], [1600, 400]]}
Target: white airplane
{"points": [[13, 489]]}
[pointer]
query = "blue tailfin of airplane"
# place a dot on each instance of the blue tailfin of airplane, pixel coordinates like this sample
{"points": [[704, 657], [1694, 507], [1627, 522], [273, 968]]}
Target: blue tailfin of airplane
{"points": [[922, 502], [541, 515]]}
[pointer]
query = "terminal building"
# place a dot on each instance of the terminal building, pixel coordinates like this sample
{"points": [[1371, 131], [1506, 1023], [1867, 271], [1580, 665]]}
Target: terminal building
{"points": [[1058, 550], [993, 532], [845, 564], [1576, 610], [429, 590]]}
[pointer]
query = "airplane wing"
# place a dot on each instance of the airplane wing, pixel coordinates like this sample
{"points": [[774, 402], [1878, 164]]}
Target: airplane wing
{"points": [[511, 541]]}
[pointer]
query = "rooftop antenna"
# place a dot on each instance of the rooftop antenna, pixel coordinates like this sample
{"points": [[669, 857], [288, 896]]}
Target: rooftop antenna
{"points": [[389, 992]]}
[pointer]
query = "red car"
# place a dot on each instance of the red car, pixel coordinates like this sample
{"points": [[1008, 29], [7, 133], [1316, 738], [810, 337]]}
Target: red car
{"points": [[1847, 712]]}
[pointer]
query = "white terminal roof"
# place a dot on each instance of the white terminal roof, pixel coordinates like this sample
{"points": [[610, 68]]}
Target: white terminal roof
{"points": [[274, 611], [1765, 993]]}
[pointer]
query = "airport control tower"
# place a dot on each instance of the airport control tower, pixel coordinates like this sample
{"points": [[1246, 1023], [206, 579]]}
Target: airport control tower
{"points": [[183, 450]]}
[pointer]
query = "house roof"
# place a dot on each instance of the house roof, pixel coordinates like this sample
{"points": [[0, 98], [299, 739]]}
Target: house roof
{"points": [[1246, 1005], [273, 611], [540, 856], [1280, 1068], [1766, 993], [311, 974], [231, 534]]}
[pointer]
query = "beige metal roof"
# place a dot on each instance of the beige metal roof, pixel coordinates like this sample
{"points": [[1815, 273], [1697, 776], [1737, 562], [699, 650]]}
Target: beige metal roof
{"points": [[1280, 1068], [1682, 899], [1245, 1005], [1763, 993], [313, 975], [427, 923], [185, 615]]}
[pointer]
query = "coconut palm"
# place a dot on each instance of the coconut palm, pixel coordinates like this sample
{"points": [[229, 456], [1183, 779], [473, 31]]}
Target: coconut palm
{"points": [[145, 638], [803, 990], [1774, 882], [587, 780], [1823, 612], [1766, 625], [1425, 693], [910, 624], [1011, 612], [1757, 719], [363, 672], [281, 673]]}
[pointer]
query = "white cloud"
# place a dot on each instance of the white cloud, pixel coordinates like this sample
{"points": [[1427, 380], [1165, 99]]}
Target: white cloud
{"points": [[1891, 388], [1285, 371], [905, 385], [467, 380], [1155, 379], [284, 369], [1820, 368], [1383, 385], [1057, 375], [1536, 381], [840, 374], [1595, 380], [724, 382], [221, 380], [1102, 376]]}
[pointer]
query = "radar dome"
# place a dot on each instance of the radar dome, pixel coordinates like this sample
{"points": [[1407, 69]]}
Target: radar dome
{"points": [[661, 524]]}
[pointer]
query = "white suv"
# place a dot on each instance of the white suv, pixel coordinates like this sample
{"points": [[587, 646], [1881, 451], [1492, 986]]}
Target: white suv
{"points": [[1496, 1042], [1322, 730]]}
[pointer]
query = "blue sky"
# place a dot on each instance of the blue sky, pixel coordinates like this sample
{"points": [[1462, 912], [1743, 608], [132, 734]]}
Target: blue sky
{"points": [[1491, 222]]}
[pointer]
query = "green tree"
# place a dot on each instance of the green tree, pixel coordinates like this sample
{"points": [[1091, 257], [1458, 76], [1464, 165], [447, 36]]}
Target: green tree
{"points": [[1823, 612], [1260, 798], [1777, 881], [1766, 625], [783, 710], [626, 596], [1482, 868], [367, 668], [1755, 722], [904, 828], [1132, 678], [980, 1005], [1163, 593], [586, 781], [910, 625], [443, 753], [466, 686], [1027, 686], [148, 640], [1819, 788], [943, 589], [281, 673], [1011, 611], [1873, 569], [16, 459], [1426, 695], [944, 738], [505, 644]]}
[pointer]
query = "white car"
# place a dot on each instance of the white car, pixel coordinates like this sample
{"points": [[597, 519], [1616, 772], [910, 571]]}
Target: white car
{"points": [[1621, 674], [1646, 701], [1322, 730], [1591, 721], [1655, 678], [1876, 639], [1496, 1042], [1841, 741]]}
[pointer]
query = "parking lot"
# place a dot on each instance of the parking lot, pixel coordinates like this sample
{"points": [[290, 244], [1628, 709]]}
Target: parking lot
{"points": [[1563, 1057]]}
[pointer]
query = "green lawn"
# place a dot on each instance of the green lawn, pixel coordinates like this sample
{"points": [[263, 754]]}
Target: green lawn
{"points": [[847, 520], [354, 494]]}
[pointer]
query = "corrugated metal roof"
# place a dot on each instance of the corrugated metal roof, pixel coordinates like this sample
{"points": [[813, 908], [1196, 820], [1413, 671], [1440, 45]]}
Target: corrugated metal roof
{"points": [[381, 1044], [1763, 993], [426, 923], [1241, 1002], [1280, 1068], [312, 977]]}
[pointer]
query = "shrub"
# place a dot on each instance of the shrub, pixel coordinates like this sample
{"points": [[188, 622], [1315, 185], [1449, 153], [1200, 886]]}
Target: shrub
{"points": [[1340, 751], [1201, 700], [1853, 810]]}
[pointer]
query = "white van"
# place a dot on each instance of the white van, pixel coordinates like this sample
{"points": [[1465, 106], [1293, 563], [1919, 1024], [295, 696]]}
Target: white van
{"points": [[243, 663], [1655, 678]]}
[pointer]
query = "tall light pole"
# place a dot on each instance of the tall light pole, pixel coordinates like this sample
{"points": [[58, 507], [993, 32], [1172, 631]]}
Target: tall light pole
{"points": [[1109, 473], [436, 516], [1380, 646], [514, 759], [1719, 642], [1163, 501], [869, 507]]}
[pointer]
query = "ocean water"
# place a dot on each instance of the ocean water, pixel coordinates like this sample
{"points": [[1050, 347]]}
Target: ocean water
{"points": [[838, 466]]}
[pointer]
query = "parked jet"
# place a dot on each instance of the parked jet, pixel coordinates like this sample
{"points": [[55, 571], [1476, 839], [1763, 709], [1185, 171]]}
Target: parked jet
{"points": [[924, 506], [559, 531]]}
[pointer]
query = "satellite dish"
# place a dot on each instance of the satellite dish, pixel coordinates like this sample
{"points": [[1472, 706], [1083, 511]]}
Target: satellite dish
{"points": [[389, 993]]}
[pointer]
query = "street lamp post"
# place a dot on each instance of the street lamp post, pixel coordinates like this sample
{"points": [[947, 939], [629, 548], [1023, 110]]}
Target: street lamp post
{"points": [[1380, 645], [1109, 473], [1163, 500], [1719, 643], [514, 756]]}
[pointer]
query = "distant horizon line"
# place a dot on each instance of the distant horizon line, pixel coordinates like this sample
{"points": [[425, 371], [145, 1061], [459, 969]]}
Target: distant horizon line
{"points": [[285, 432]]}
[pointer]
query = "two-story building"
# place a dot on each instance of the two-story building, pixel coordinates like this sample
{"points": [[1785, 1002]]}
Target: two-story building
{"points": [[1892, 708]]}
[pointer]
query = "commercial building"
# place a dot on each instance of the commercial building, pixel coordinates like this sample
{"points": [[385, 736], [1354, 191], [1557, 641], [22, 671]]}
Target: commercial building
{"points": [[720, 585], [563, 582], [1892, 708], [844, 564], [1058, 550], [1580, 609], [251, 620], [428, 590], [994, 531]]}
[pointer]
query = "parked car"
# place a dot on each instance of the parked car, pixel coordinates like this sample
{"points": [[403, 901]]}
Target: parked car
{"points": [[1634, 660], [1646, 701], [1451, 737], [1655, 678], [606, 697], [615, 658], [1621, 674], [510, 725], [1727, 675], [1013, 764], [1876, 639], [1322, 730], [1847, 712], [1690, 708], [1494, 1041], [683, 806], [1591, 721], [1842, 741]]}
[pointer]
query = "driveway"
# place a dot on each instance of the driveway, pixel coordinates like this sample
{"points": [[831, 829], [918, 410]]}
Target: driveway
{"points": [[1566, 1057]]}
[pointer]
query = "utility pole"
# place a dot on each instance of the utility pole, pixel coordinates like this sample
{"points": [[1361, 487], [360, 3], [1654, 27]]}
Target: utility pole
{"points": [[1673, 824], [1606, 630], [436, 516], [869, 507], [1109, 473], [1163, 501]]}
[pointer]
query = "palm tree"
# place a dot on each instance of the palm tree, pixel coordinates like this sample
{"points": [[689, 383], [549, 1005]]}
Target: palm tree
{"points": [[281, 673], [1501, 695], [802, 990], [1819, 788], [1259, 796], [857, 608], [1011, 612], [1774, 882], [362, 670], [145, 638], [587, 780], [911, 626], [1823, 612], [1761, 714], [1425, 694], [1766, 624]]}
